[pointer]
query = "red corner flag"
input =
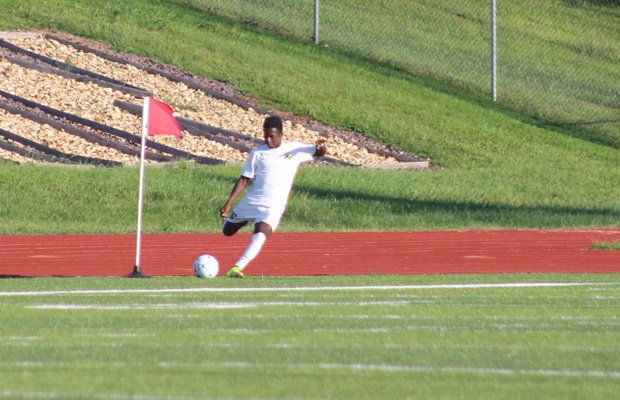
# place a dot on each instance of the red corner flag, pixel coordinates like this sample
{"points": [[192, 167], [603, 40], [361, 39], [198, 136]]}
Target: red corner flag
{"points": [[159, 119]]}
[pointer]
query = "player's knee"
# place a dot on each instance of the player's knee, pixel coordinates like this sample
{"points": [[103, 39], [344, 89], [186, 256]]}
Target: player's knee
{"points": [[263, 227], [226, 230], [229, 228]]}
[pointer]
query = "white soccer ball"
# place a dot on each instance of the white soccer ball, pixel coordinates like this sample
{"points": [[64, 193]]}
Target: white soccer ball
{"points": [[206, 266]]}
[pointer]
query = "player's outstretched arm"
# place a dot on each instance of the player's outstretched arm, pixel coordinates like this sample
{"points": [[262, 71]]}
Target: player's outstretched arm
{"points": [[239, 187], [321, 148]]}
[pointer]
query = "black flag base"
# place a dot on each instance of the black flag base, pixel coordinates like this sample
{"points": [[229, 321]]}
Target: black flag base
{"points": [[136, 273]]}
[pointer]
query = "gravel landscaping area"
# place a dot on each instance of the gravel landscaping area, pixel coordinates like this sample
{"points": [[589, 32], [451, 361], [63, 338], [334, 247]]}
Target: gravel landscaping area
{"points": [[95, 102]]}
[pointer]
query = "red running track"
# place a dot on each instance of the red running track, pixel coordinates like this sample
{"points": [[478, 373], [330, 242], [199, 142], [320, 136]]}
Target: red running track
{"points": [[303, 254]]}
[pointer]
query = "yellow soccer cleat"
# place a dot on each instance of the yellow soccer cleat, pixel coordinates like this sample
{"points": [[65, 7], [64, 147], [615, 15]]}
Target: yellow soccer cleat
{"points": [[235, 272]]}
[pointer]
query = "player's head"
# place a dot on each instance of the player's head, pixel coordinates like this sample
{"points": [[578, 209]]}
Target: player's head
{"points": [[273, 122], [272, 131]]}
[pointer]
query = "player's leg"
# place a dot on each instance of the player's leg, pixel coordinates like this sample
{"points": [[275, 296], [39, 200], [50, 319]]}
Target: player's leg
{"points": [[267, 223], [261, 231], [241, 216], [263, 227], [229, 228]]}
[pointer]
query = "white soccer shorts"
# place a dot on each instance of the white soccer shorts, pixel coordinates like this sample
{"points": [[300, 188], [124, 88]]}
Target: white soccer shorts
{"points": [[253, 214]]}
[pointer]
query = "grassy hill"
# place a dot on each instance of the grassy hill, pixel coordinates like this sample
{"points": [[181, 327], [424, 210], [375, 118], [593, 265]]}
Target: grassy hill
{"points": [[501, 166]]}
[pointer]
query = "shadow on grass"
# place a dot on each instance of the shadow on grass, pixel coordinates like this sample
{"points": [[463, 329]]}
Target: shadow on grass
{"points": [[578, 3], [496, 214]]}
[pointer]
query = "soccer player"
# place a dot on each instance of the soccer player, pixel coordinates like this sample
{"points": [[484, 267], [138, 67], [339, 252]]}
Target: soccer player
{"points": [[272, 168]]}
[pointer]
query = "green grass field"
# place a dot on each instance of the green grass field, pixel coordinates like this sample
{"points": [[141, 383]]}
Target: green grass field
{"points": [[504, 167], [60, 200], [311, 338]]}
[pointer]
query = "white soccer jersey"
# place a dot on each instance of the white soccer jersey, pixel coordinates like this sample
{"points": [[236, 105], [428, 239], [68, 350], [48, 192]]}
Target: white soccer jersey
{"points": [[273, 172]]}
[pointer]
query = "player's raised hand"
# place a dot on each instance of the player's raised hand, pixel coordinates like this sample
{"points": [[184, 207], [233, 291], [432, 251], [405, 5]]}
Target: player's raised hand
{"points": [[321, 148]]}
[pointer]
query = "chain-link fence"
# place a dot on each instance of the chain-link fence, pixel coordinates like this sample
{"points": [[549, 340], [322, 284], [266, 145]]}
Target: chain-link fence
{"points": [[557, 59]]}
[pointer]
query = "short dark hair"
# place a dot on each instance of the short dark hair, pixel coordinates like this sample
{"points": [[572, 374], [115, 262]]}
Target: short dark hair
{"points": [[273, 122]]}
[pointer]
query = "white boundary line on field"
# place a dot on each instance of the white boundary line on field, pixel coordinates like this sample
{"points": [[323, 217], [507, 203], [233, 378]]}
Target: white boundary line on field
{"points": [[311, 288], [335, 366], [426, 369]]}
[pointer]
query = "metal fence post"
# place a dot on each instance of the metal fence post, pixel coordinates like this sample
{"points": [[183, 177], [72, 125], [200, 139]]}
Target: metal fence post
{"points": [[493, 51], [316, 21]]}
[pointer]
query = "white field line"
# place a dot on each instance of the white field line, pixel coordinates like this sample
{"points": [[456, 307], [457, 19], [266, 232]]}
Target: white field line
{"points": [[140, 306], [197, 306], [343, 367], [467, 370], [287, 346], [52, 395], [312, 288]]}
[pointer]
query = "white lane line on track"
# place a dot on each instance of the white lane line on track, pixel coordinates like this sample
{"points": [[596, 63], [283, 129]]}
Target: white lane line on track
{"points": [[312, 288]]}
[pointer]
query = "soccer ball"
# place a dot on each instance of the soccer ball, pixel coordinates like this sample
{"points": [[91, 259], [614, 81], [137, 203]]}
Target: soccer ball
{"points": [[206, 266]]}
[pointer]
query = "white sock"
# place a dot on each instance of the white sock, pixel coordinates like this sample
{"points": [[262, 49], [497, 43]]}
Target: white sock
{"points": [[258, 239]]}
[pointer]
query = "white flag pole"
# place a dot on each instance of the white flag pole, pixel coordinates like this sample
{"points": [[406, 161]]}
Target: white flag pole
{"points": [[145, 118]]}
